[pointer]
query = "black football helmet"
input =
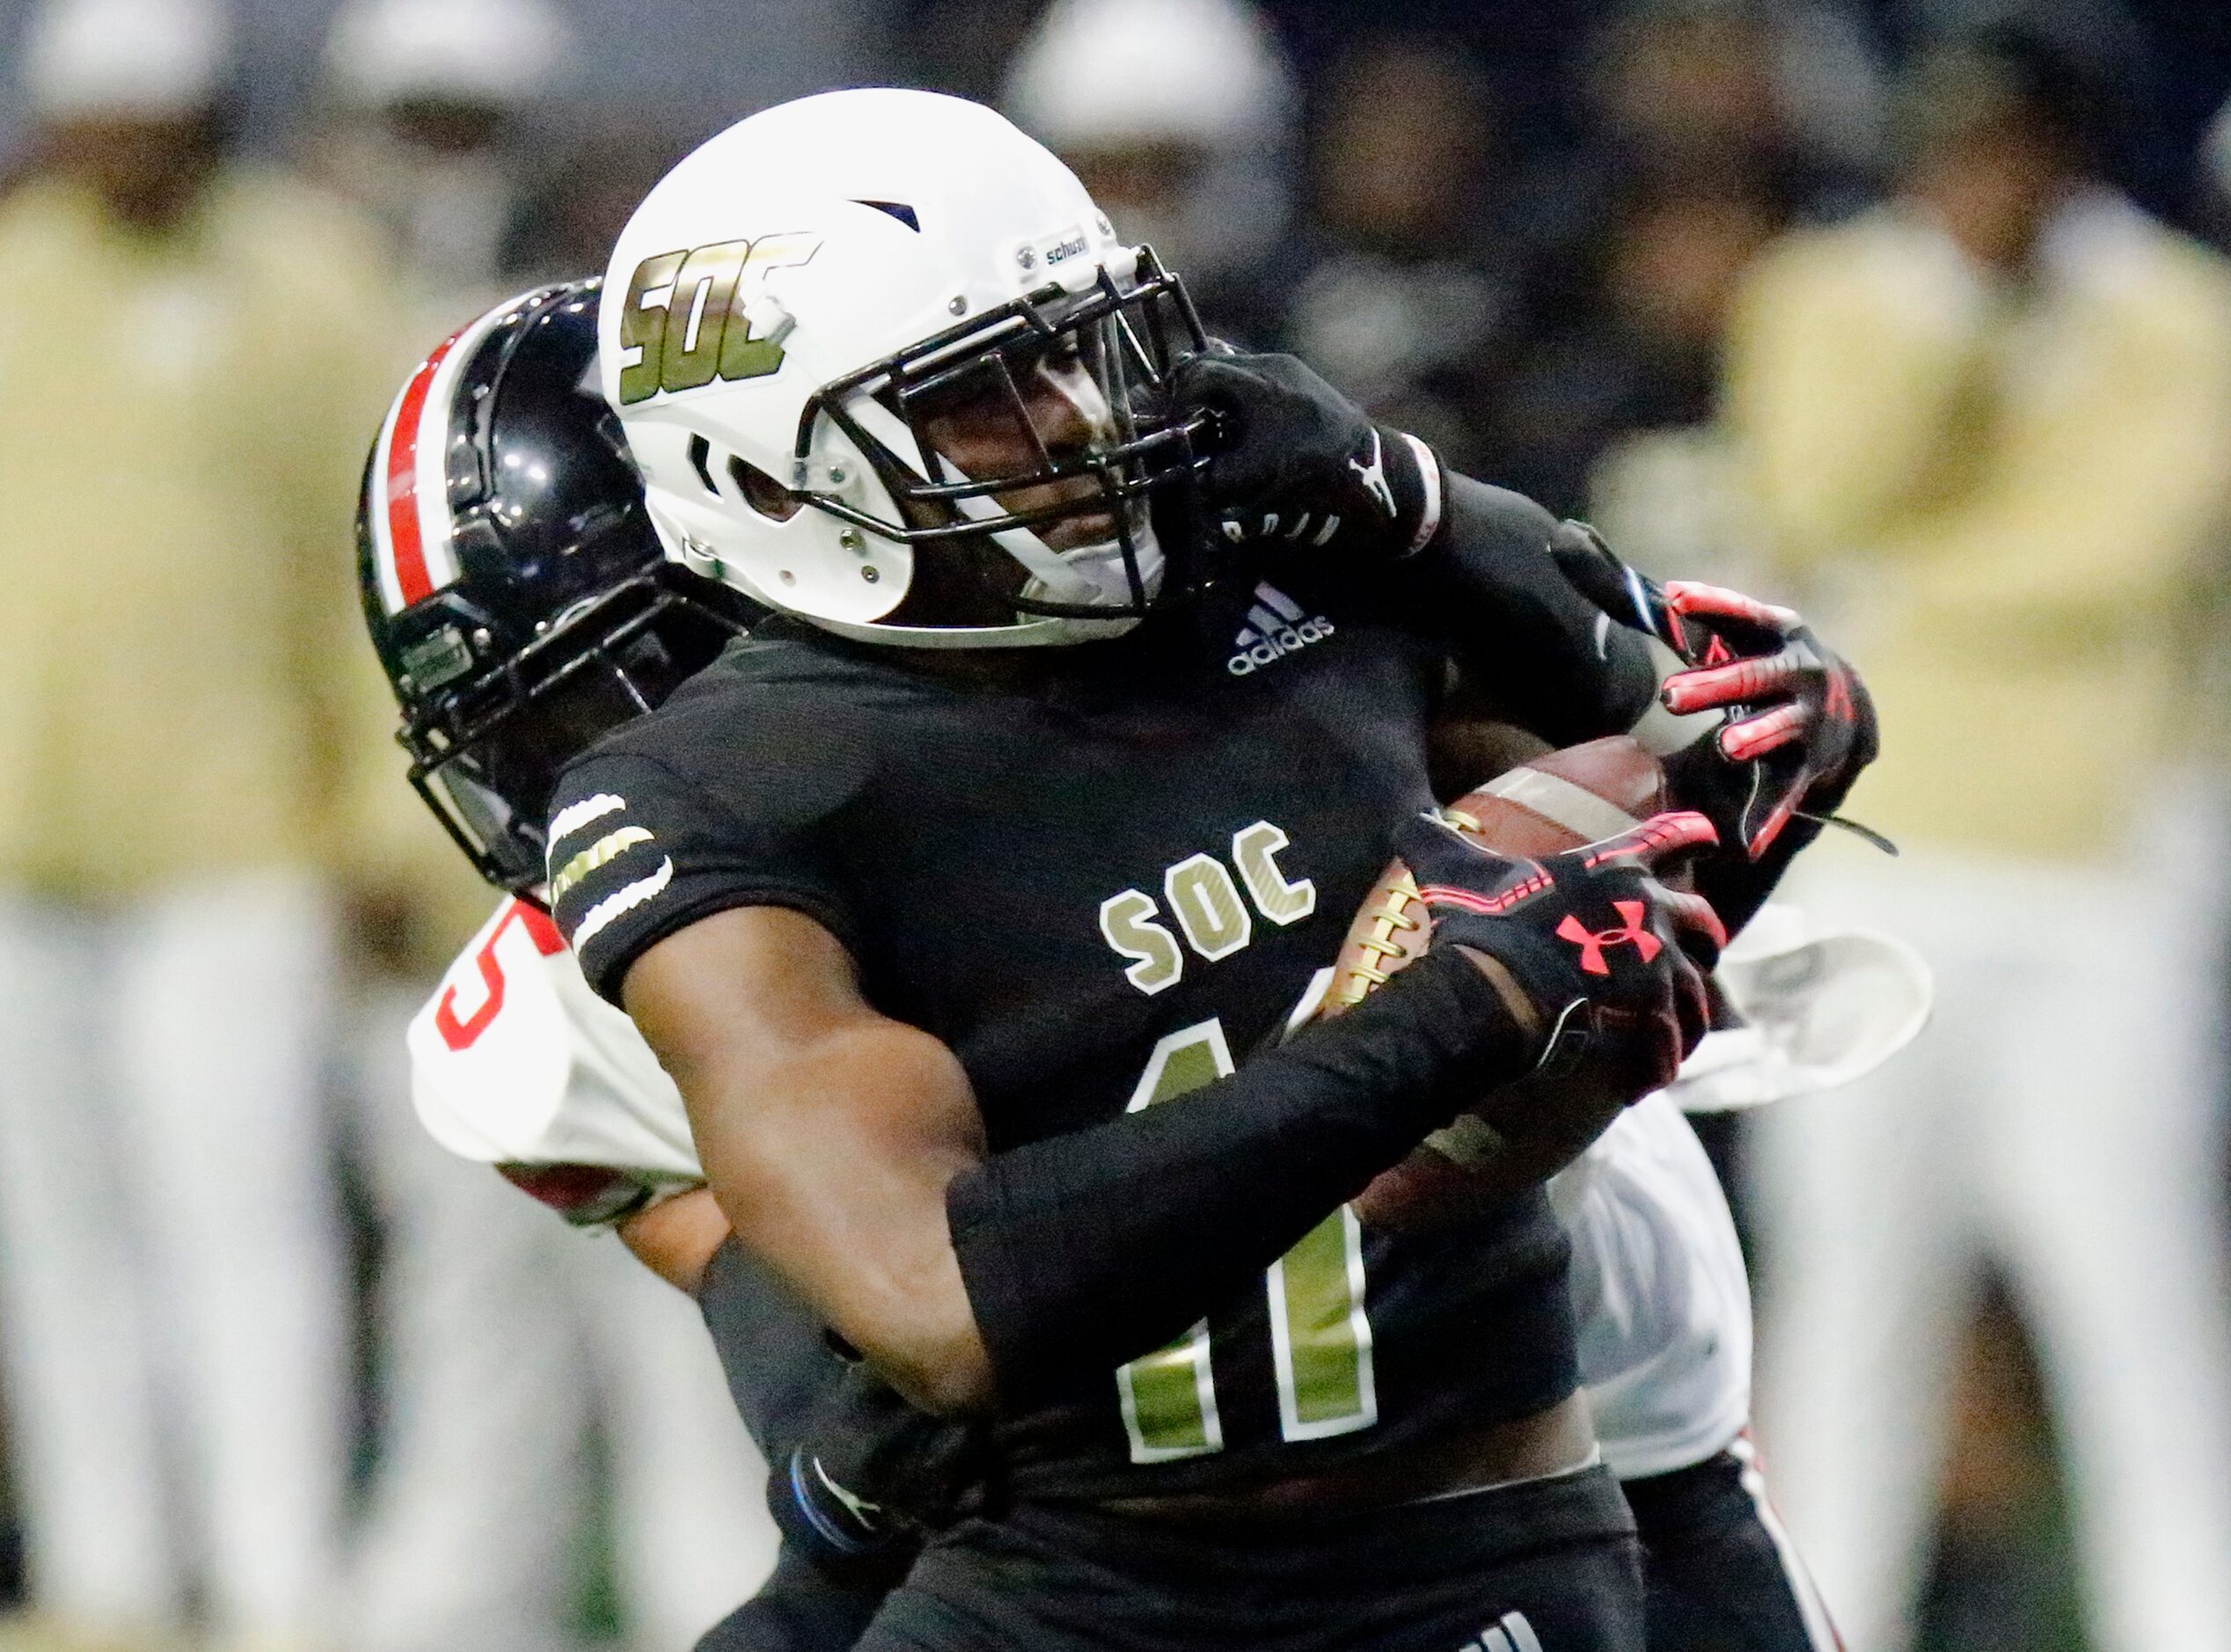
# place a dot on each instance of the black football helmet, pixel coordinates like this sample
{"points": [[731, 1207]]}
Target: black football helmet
{"points": [[516, 592]]}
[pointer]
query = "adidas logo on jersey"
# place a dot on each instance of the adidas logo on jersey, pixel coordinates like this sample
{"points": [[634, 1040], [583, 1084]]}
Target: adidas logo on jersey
{"points": [[1512, 1634], [1276, 628]]}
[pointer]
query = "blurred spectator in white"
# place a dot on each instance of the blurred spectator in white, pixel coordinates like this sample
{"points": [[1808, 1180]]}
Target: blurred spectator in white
{"points": [[504, 1337], [1991, 424], [504, 1340], [1178, 116], [506, 1333], [432, 104], [194, 352]]}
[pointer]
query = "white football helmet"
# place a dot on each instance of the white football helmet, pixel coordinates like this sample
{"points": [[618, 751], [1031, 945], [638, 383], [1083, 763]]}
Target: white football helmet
{"points": [[796, 301]]}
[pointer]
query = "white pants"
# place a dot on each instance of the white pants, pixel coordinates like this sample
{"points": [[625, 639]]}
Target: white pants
{"points": [[2060, 1116], [505, 1331], [169, 1261]]}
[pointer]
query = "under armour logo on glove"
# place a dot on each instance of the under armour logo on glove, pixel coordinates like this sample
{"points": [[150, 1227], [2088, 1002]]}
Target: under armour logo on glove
{"points": [[1592, 942], [1626, 993]]}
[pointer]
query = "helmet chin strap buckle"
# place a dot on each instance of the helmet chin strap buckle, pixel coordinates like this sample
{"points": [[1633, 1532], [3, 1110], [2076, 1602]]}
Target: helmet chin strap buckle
{"points": [[1103, 577], [1086, 591]]}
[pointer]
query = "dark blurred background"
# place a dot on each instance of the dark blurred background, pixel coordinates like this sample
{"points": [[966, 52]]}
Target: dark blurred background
{"points": [[1576, 244]]}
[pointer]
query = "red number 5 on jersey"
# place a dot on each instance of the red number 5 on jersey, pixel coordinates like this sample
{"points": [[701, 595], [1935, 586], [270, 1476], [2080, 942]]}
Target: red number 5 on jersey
{"points": [[462, 1034]]}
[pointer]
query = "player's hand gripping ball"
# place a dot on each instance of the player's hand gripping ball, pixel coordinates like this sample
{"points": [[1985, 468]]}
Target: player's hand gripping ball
{"points": [[1551, 869], [1800, 726]]}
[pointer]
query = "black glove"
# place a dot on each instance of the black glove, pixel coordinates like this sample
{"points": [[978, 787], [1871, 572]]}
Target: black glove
{"points": [[1296, 461], [870, 1476], [1602, 949], [1800, 726], [1797, 714]]}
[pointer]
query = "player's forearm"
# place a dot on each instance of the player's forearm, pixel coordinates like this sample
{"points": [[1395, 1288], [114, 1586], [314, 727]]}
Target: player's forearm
{"points": [[1084, 1250], [962, 1278], [841, 1189], [1539, 654], [827, 1133], [831, 1137]]}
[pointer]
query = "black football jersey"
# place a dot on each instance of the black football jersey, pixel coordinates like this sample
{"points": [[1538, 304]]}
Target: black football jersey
{"points": [[1101, 878]]}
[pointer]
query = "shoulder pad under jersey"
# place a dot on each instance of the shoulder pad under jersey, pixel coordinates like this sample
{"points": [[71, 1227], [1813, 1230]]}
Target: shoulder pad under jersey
{"points": [[516, 1062]]}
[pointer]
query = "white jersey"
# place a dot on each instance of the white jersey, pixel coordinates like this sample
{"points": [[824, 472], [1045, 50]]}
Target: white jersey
{"points": [[1660, 1299], [516, 1062]]}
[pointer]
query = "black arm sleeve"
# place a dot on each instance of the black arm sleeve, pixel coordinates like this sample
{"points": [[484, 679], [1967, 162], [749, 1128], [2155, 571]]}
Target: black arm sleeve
{"points": [[1542, 655], [799, 1608], [1085, 1250], [781, 1370]]}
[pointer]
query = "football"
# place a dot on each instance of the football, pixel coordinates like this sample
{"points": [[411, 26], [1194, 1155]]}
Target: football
{"points": [[1549, 803]]}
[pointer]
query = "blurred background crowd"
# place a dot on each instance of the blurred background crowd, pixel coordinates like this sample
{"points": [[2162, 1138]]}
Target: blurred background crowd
{"points": [[1904, 310]]}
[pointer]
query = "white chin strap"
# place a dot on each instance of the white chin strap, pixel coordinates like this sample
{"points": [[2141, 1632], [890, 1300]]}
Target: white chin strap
{"points": [[1100, 570]]}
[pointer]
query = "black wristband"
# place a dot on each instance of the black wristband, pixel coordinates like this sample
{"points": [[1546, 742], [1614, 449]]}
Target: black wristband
{"points": [[1414, 477], [1085, 1250], [871, 1470]]}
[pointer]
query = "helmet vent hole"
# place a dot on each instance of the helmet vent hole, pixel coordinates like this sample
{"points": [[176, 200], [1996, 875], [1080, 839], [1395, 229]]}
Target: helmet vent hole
{"points": [[897, 210], [701, 452], [765, 495]]}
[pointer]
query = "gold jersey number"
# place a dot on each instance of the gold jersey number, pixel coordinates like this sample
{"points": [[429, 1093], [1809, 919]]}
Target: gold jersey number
{"points": [[1321, 1337]]}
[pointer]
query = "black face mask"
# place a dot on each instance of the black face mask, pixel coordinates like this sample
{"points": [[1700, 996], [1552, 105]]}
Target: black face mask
{"points": [[554, 614], [489, 759], [1127, 340]]}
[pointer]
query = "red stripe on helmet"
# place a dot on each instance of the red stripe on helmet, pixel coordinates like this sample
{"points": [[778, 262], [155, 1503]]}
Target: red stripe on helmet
{"points": [[405, 539]]}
